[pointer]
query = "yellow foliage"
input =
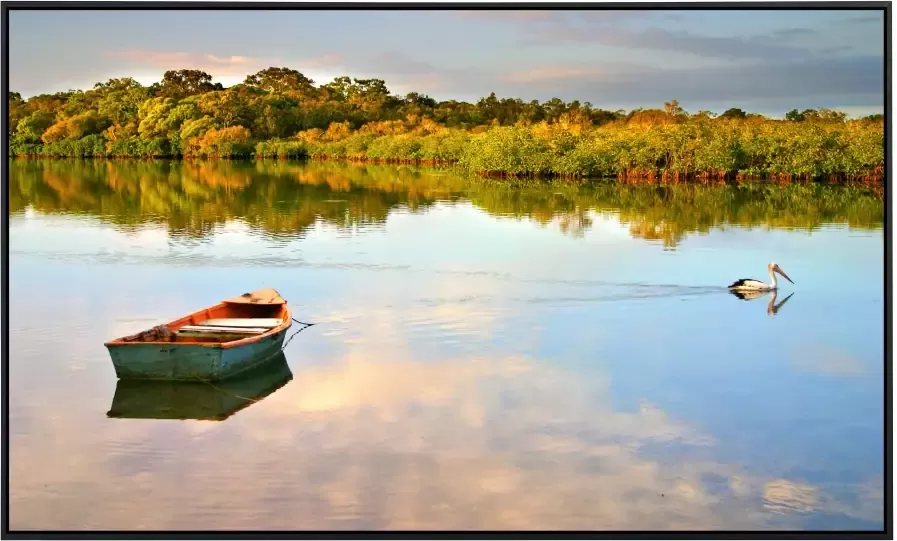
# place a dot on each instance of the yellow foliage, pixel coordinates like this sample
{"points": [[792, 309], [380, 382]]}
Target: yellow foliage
{"points": [[56, 132], [221, 141], [574, 122], [651, 117], [337, 131], [542, 129], [385, 127], [310, 136], [75, 127], [428, 126], [115, 132], [233, 134]]}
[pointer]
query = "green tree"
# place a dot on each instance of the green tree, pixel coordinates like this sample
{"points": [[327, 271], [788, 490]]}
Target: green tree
{"points": [[734, 112], [280, 81], [794, 116], [30, 128], [182, 83], [824, 115], [153, 116], [17, 110], [228, 106], [277, 117], [121, 101]]}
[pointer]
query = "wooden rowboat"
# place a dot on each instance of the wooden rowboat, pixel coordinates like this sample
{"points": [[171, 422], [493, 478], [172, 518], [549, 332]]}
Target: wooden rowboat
{"points": [[211, 344]]}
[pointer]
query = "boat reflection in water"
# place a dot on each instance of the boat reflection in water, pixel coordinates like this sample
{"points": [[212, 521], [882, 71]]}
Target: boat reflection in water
{"points": [[771, 308], [160, 399]]}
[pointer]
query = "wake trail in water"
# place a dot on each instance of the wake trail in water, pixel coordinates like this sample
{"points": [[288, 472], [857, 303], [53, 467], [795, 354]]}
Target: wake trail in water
{"points": [[204, 260], [688, 291], [589, 283], [673, 291]]}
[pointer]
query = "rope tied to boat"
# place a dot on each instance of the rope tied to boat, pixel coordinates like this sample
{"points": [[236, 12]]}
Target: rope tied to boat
{"points": [[307, 325]]}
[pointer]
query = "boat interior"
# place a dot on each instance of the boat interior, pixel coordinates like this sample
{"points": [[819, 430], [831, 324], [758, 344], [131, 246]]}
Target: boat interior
{"points": [[231, 320]]}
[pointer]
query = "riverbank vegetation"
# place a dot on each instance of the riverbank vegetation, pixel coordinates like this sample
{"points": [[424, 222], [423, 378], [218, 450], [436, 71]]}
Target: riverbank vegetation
{"points": [[287, 199], [280, 113]]}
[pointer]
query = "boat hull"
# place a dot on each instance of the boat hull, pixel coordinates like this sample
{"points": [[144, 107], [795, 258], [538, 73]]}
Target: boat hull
{"points": [[191, 362], [211, 344]]}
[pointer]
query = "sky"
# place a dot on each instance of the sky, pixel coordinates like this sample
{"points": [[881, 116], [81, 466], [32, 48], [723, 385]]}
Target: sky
{"points": [[766, 62]]}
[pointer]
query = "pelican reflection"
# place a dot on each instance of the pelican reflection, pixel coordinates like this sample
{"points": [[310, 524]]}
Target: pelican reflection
{"points": [[771, 308]]}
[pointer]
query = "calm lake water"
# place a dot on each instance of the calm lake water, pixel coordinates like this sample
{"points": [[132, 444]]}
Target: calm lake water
{"points": [[484, 356]]}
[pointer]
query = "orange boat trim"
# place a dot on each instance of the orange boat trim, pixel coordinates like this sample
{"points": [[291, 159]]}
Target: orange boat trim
{"points": [[265, 303]]}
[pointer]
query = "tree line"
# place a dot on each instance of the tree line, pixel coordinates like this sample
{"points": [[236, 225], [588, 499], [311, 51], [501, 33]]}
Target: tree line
{"points": [[281, 112], [273, 103]]}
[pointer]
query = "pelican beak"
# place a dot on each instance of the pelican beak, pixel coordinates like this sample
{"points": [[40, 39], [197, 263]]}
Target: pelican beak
{"points": [[779, 270]]}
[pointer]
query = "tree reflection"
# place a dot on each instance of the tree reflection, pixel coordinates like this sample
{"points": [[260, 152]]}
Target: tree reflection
{"points": [[283, 198]]}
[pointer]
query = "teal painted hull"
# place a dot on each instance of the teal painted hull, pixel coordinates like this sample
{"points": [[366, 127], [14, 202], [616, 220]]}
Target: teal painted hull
{"points": [[191, 362]]}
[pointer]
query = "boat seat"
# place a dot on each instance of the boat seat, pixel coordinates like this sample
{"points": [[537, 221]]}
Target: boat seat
{"points": [[263, 323], [221, 330]]}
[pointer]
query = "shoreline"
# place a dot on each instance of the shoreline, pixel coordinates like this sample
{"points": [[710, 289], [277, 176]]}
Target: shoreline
{"points": [[872, 179]]}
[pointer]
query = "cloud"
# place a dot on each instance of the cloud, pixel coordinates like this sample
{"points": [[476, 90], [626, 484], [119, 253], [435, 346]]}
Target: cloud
{"points": [[327, 60], [834, 49], [787, 34], [395, 63], [660, 39], [782, 496], [185, 60], [429, 83], [364, 441], [849, 81], [602, 27], [550, 74], [404, 73]]}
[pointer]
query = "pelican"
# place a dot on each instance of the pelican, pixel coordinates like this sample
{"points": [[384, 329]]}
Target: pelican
{"points": [[751, 284]]}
